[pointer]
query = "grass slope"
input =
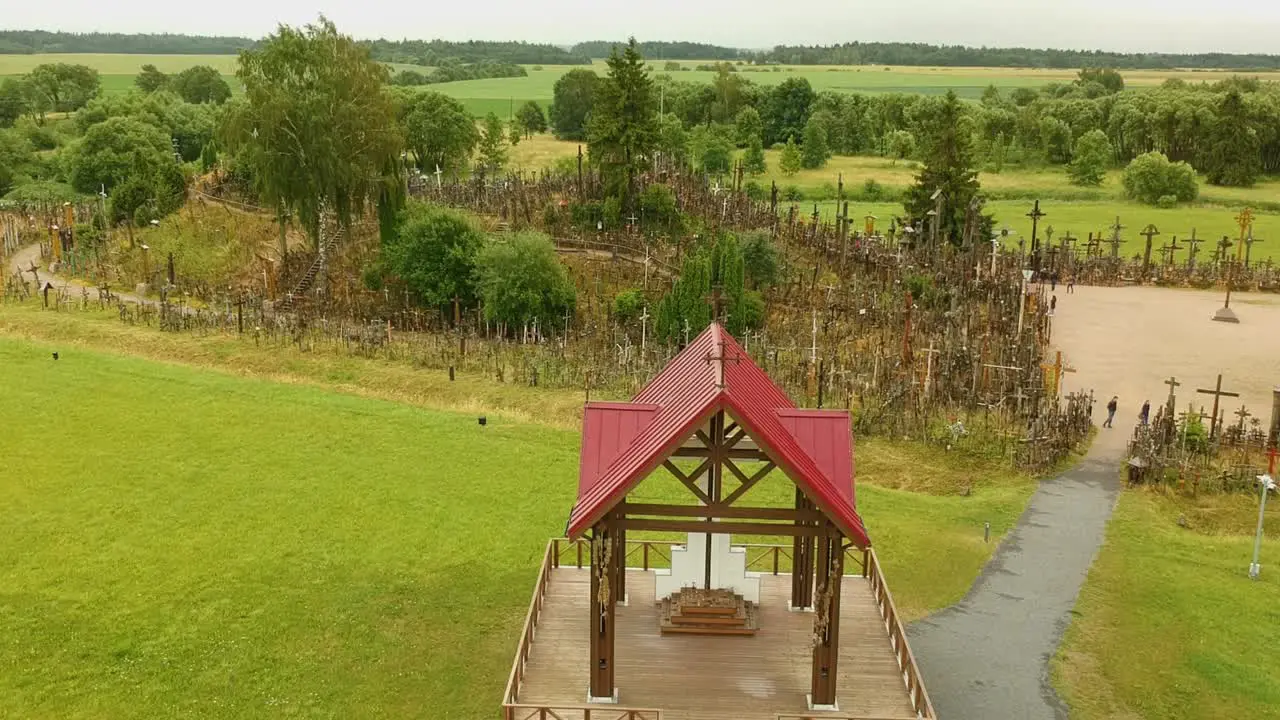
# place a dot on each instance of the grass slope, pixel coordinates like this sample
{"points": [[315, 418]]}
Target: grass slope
{"points": [[1168, 624], [188, 542]]}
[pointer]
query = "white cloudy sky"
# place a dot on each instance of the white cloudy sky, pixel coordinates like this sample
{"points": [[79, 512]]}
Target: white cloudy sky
{"points": [[1130, 25]]}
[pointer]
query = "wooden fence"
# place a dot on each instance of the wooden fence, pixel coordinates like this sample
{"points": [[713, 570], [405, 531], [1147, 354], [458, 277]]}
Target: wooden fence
{"points": [[898, 638]]}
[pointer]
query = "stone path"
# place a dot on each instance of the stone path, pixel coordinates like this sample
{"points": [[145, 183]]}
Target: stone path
{"points": [[988, 656]]}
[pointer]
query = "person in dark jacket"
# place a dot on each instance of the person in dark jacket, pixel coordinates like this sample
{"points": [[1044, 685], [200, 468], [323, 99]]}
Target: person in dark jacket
{"points": [[1146, 412], [1111, 411]]}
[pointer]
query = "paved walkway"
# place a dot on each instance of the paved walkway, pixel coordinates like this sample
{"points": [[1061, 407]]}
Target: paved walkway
{"points": [[988, 656]]}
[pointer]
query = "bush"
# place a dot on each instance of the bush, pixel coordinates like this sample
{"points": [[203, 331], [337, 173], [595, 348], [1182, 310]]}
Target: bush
{"points": [[759, 258], [872, 191], [433, 252], [627, 305], [1151, 177], [522, 281], [658, 205], [791, 193], [1167, 201], [755, 190]]}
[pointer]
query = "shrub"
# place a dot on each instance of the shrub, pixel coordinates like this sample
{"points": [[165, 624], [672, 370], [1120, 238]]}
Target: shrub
{"points": [[627, 305], [1151, 177], [1092, 155], [872, 190], [1167, 201], [522, 281], [791, 193], [755, 190]]}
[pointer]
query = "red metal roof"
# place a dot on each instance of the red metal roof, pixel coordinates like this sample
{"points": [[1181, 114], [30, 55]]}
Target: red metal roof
{"points": [[624, 442]]}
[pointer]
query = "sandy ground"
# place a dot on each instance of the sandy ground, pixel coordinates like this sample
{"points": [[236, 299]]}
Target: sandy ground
{"points": [[1128, 341]]}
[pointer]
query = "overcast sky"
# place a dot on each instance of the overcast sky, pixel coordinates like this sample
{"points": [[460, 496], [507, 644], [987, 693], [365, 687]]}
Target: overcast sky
{"points": [[1126, 25]]}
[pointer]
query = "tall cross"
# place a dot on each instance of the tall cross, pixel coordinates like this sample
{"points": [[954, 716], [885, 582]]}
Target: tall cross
{"points": [[1115, 237], [438, 173], [1248, 247], [1245, 220], [1035, 216], [457, 316], [1218, 393], [644, 326], [1058, 371], [1173, 383], [1094, 246], [631, 221], [1193, 243], [1220, 255], [1149, 232]]}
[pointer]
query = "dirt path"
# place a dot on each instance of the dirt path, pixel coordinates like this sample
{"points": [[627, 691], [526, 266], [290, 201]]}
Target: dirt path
{"points": [[988, 656], [23, 260]]}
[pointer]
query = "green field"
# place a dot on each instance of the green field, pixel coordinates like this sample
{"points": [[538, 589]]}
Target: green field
{"points": [[184, 540], [1168, 624]]}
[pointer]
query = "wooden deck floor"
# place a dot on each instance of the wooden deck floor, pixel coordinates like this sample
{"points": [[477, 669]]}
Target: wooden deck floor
{"points": [[692, 677]]}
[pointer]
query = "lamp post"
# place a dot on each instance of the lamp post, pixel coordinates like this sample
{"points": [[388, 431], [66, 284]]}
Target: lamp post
{"points": [[1267, 484]]}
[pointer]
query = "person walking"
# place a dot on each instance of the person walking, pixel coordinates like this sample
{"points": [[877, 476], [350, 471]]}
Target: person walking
{"points": [[1071, 284], [1146, 412], [1111, 411], [1053, 305]]}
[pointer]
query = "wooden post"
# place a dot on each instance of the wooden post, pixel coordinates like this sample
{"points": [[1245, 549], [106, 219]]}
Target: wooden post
{"points": [[1274, 433], [802, 562], [620, 557], [826, 622], [601, 615]]}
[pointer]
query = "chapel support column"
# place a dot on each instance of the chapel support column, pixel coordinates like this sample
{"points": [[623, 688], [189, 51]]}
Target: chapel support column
{"points": [[620, 558], [802, 561], [603, 597], [826, 621]]}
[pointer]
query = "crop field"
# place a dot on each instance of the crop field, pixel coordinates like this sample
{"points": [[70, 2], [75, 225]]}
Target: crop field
{"points": [[498, 94], [259, 548]]}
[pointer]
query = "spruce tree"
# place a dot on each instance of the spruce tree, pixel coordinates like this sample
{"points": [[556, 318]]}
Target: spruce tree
{"points": [[753, 159], [789, 163], [949, 168], [622, 132]]}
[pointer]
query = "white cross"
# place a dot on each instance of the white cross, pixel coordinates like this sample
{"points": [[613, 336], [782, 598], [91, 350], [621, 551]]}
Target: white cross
{"points": [[438, 173], [716, 190], [644, 326]]}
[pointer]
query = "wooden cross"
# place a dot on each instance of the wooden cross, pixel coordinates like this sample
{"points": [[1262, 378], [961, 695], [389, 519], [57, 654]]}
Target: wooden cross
{"points": [[457, 314], [1220, 255], [1193, 243], [1167, 251], [1115, 241], [1218, 393], [928, 367], [438, 173], [715, 300], [1149, 232], [1035, 216], [1058, 371], [717, 360], [1248, 247], [1173, 384], [1245, 220], [644, 326], [1242, 413], [1094, 247]]}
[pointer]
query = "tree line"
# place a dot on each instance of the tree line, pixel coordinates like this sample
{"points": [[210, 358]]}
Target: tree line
{"points": [[27, 42], [452, 71]]}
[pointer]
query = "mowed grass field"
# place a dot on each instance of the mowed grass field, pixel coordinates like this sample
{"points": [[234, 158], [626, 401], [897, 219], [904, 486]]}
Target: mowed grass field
{"points": [[1168, 624], [202, 527]]}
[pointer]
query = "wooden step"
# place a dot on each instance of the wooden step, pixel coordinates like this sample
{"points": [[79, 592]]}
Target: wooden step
{"points": [[714, 611], [725, 621], [706, 630]]}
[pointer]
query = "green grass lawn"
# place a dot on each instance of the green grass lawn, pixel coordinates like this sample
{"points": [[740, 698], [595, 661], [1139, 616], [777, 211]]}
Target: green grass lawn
{"points": [[1168, 624], [196, 539]]}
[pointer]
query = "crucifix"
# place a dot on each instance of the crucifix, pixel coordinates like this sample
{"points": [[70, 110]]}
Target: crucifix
{"points": [[1220, 254], [717, 359], [1193, 245], [1167, 251], [1035, 216], [1243, 414], [1149, 232], [995, 249], [1115, 240], [1058, 371], [1248, 247], [1093, 248], [644, 326], [1218, 393], [1173, 383], [631, 222]]}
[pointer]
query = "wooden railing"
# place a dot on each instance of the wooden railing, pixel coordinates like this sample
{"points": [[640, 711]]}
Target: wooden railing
{"points": [[578, 712], [516, 677], [898, 638], [838, 716], [768, 558]]}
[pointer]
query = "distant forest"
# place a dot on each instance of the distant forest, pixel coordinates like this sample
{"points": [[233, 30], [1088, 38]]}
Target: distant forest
{"points": [[441, 52], [920, 54]]}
